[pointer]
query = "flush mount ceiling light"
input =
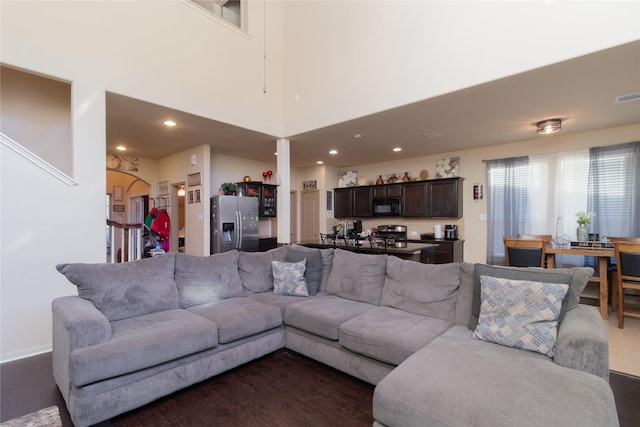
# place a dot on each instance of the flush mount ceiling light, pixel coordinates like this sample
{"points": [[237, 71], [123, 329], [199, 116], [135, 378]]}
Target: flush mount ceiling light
{"points": [[170, 123], [320, 162], [358, 136], [334, 152], [549, 126], [433, 135], [121, 148], [397, 149]]}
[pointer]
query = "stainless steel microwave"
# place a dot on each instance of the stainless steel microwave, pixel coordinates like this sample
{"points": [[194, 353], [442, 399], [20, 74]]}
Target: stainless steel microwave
{"points": [[387, 206]]}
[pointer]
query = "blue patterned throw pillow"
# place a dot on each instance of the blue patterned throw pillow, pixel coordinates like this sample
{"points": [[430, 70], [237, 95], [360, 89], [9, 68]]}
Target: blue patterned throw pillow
{"points": [[288, 278], [520, 313]]}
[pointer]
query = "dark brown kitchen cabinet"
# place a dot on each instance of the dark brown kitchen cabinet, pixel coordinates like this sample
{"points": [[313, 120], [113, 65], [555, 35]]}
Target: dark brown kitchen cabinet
{"points": [[362, 204], [352, 202], [342, 202], [266, 194], [414, 199], [445, 198], [387, 190]]}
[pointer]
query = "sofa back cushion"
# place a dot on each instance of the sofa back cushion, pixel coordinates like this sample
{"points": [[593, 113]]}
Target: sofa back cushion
{"points": [[125, 290], [464, 299], [313, 267], [327, 261], [358, 277], [205, 279], [426, 289], [255, 269]]}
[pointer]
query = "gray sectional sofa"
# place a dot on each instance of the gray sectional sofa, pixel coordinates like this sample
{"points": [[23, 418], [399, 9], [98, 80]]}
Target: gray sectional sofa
{"points": [[142, 330]]}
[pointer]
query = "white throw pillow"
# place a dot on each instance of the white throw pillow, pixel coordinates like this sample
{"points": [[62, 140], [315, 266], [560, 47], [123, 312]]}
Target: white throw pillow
{"points": [[288, 278], [520, 313]]}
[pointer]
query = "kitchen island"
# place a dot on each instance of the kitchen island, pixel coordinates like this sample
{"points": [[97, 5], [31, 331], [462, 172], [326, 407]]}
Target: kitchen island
{"points": [[419, 252]]}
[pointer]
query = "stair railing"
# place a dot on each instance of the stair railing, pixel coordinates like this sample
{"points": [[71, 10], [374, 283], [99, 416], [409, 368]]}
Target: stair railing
{"points": [[129, 239]]}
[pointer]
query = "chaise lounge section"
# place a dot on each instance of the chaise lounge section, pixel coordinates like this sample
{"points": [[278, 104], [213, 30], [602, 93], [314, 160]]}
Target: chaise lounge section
{"points": [[142, 330]]}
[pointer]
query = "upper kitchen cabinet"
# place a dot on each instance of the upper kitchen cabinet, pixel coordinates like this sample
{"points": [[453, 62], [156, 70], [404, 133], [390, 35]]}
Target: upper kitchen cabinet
{"points": [[266, 194], [414, 199], [444, 198], [342, 202], [387, 190], [352, 202]]}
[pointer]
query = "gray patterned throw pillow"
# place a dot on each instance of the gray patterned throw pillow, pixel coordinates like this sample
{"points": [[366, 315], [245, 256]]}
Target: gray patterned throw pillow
{"points": [[520, 313], [288, 278]]}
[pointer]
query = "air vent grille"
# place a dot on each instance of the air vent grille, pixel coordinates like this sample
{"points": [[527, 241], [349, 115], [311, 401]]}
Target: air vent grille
{"points": [[631, 97]]}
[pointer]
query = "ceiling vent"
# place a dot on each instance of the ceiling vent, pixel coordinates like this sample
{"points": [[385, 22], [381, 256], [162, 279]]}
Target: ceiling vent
{"points": [[631, 97]]}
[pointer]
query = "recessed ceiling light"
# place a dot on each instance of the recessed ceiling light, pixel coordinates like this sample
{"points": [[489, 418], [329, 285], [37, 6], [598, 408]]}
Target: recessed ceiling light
{"points": [[358, 136], [121, 148], [170, 123], [333, 152], [397, 149], [320, 162]]}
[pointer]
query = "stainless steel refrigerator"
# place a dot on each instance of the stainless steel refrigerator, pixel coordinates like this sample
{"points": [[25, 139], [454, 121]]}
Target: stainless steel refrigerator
{"points": [[234, 224]]}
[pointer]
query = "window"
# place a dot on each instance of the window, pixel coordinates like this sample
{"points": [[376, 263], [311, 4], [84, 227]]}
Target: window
{"points": [[228, 10], [543, 194]]}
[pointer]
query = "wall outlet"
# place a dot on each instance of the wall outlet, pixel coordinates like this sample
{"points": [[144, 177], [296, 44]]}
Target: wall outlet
{"points": [[483, 217], [414, 233]]}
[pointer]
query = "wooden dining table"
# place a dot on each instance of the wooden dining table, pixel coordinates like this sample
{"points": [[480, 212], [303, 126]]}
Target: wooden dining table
{"points": [[603, 263]]}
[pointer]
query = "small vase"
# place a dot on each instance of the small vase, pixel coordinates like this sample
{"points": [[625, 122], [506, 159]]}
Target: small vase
{"points": [[582, 233]]}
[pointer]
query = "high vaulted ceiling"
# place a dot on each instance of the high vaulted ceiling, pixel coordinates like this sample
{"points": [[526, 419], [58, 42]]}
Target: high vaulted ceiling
{"points": [[581, 91]]}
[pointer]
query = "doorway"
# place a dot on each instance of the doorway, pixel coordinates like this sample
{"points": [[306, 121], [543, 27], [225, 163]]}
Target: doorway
{"points": [[309, 214], [293, 218], [177, 234]]}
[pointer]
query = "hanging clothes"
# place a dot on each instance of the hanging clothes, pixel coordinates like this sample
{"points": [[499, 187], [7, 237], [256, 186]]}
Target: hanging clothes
{"points": [[162, 225]]}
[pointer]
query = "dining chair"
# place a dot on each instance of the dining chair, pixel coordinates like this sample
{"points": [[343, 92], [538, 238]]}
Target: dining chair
{"points": [[545, 237], [524, 252], [628, 272], [328, 239], [613, 272], [378, 244]]}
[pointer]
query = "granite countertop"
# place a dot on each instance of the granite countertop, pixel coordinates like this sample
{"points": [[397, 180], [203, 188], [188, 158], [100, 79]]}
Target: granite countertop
{"points": [[409, 249]]}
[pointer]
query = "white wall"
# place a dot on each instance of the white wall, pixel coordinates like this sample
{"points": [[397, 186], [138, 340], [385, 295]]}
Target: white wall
{"points": [[347, 59], [164, 52]]}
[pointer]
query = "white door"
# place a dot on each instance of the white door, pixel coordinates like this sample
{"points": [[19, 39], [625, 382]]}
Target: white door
{"points": [[309, 216]]}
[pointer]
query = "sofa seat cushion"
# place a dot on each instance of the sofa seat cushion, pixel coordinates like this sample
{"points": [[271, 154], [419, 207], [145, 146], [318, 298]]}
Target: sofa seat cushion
{"points": [[127, 289], [280, 301], [239, 317], [390, 335], [323, 316], [142, 342], [457, 380]]}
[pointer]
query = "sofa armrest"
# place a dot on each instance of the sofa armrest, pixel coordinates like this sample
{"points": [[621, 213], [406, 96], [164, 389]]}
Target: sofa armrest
{"points": [[77, 323], [81, 321], [582, 342]]}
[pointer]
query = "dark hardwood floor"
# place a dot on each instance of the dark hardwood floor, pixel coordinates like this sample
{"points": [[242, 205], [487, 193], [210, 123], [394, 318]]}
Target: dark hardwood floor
{"points": [[281, 389]]}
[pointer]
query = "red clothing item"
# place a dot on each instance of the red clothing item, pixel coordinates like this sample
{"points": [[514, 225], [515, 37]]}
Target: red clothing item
{"points": [[161, 224]]}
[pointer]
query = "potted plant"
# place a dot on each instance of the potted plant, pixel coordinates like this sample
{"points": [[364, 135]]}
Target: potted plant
{"points": [[229, 188]]}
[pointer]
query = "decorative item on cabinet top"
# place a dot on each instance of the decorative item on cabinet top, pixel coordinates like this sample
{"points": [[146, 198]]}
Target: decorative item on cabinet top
{"points": [[347, 179], [448, 168]]}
